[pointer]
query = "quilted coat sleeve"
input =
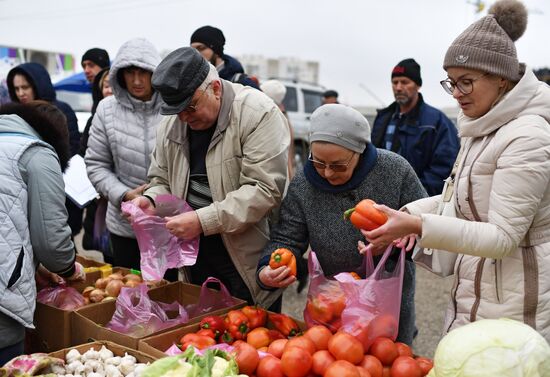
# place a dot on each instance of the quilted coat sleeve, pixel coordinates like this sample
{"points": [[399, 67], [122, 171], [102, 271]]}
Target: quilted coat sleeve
{"points": [[520, 180], [158, 169], [262, 178], [99, 159], [50, 234]]}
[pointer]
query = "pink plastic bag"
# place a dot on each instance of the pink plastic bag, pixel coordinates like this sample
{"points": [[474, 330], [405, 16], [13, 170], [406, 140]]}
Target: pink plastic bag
{"points": [[210, 301], [137, 315], [325, 298], [61, 296], [373, 304], [160, 250]]}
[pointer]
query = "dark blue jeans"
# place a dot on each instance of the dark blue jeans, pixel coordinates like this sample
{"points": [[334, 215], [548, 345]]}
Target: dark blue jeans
{"points": [[9, 352]]}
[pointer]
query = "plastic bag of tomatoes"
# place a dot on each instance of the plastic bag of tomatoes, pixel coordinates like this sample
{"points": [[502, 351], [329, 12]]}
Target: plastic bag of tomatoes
{"points": [[325, 298], [373, 304]]}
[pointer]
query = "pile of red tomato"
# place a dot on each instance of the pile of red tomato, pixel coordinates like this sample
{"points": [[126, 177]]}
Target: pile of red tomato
{"points": [[320, 353]]}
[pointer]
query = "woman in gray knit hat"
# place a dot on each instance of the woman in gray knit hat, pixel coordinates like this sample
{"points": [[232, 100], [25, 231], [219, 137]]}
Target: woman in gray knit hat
{"points": [[501, 232], [343, 168]]}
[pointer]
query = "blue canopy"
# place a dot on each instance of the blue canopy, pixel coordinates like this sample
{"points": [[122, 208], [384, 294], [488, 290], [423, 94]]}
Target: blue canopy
{"points": [[74, 83]]}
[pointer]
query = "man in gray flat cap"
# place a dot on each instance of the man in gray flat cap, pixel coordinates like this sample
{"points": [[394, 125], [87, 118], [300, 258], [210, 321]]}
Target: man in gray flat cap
{"points": [[223, 148]]}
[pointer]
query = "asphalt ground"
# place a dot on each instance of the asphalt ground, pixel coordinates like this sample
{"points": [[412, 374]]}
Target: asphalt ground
{"points": [[431, 298]]}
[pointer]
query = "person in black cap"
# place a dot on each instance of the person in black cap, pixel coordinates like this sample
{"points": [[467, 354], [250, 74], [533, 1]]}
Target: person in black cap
{"points": [[93, 61], [330, 96], [209, 41], [222, 147], [417, 131]]}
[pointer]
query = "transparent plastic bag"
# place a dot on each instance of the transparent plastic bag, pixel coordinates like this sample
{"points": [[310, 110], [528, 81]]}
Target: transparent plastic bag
{"points": [[61, 296], [210, 301], [159, 249], [137, 315], [373, 304], [325, 298]]}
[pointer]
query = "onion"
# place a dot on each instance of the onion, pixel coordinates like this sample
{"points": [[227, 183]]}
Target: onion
{"points": [[132, 277], [132, 283], [113, 288], [108, 298], [116, 276], [86, 301], [101, 283], [86, 292], [97, 295]]}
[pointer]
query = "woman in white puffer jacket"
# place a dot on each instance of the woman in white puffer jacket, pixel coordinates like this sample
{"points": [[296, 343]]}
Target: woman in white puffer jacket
{"points": [[502, 193], [121, 139]]}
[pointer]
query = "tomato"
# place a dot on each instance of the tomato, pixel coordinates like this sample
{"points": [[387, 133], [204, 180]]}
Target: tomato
{"points": [[344, 346], [277, 347], [386, 372], [385, 350], [319, 309], [262, 349], [341, 368], [372, 365], [403, 349], [296, 362], [247, 357], [425, 365], [321, 360], [301, 342], [259, 337], [320, 336], [383, 326], [269, 366], [363, 372], [405, 366]]}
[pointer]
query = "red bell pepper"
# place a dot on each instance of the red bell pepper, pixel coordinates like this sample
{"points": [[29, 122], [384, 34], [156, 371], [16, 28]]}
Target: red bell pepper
{"points": [[276, 334], [226, 338], [196, 340], [214, 323], [257, 316], [237, 324], [284, 324], [207, 332]]}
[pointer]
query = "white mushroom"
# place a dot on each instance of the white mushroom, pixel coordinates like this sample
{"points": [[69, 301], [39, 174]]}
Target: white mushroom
{"points": [[105, 353]]}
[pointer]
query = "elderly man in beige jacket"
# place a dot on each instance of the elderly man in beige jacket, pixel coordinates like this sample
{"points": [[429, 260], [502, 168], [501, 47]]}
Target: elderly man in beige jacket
{"points": [[224, 149]]}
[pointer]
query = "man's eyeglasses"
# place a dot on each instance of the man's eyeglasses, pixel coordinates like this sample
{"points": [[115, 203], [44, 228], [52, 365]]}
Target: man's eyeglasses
{"points": [[334, 167], [464, 86], [191, 108]]}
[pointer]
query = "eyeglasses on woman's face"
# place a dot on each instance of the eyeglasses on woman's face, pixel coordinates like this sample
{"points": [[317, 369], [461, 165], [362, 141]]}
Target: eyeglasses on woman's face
{"points": [[464, 86], [338, 168]]}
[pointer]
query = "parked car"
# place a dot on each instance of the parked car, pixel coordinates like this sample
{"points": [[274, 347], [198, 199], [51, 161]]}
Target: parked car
{"points": [[300, 101]]}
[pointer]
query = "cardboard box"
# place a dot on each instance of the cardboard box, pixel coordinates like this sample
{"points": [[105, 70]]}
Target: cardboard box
{"points": [[94, 269], [88, 323], [47, 337], [156, 345], [117, 350]]}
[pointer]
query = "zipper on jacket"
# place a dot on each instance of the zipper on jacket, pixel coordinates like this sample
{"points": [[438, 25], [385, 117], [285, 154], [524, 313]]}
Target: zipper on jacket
{"points": [[498, 280], [477, 289], [453, 293]]}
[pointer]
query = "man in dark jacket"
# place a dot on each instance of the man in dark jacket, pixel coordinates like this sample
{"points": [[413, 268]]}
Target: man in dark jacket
{"points": [[420, 133], [209, 41]]}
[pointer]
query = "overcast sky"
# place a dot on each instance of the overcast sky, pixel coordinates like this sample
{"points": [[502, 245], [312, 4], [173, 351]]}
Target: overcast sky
{"points": [[357, 43]]}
